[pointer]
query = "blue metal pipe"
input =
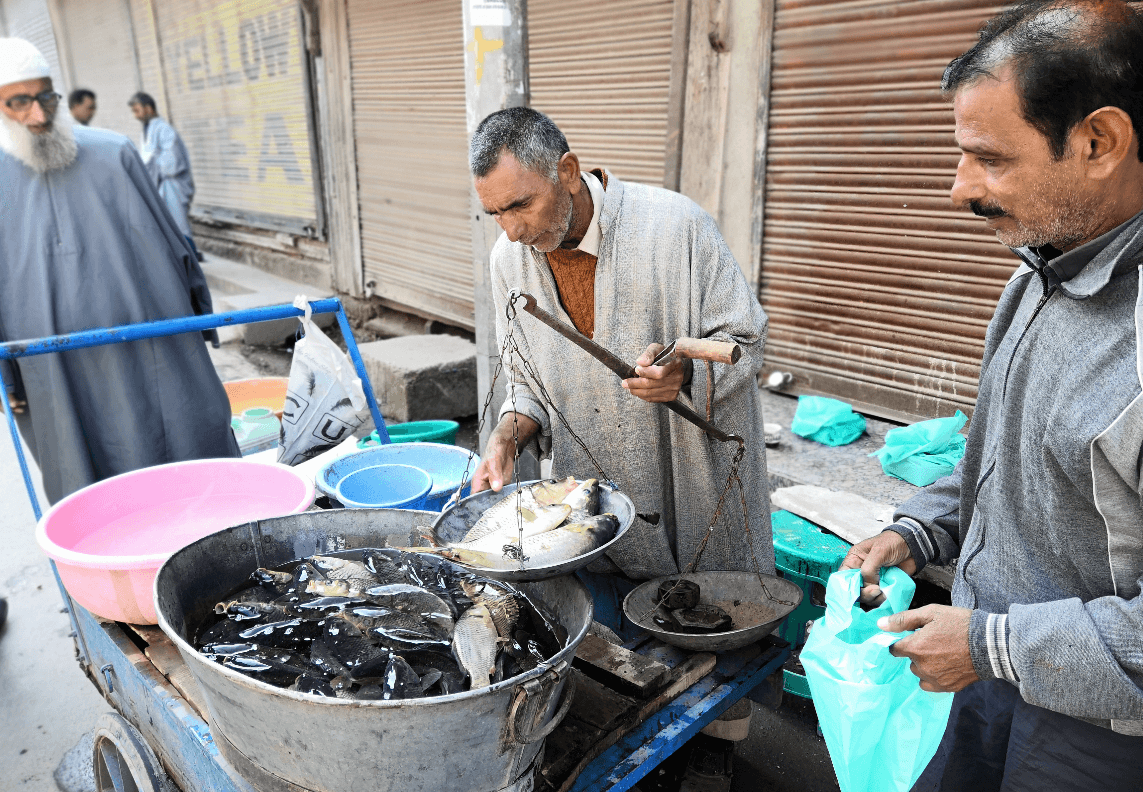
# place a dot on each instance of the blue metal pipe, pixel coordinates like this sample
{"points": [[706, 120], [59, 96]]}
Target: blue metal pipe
{"points": [[169, 327]]}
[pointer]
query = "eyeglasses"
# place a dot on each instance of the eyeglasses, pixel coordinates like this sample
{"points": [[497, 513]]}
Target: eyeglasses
{"points": [[20, 103]]}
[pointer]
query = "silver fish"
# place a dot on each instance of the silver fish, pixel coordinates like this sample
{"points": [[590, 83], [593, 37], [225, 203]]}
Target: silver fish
{"points": [[546, 549], [346, 587], [475, 643], [533, 523], [336, 568], [503, 608], [584, 500], [532, 498]]}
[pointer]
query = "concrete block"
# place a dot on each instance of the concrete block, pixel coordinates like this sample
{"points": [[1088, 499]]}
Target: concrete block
{"points": [[423, 377]]}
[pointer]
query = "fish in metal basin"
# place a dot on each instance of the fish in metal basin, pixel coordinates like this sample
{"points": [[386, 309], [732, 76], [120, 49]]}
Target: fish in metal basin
{"points": [[522, 502], [584, 501], [546, 549], [474, 643]]}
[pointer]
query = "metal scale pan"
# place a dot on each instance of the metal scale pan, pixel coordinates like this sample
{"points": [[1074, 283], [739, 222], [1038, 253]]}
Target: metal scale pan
{"points": [[455, 522]]}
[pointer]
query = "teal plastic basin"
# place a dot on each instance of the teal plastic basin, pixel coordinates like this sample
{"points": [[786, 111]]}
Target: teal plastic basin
{"points": [[415, 432]]}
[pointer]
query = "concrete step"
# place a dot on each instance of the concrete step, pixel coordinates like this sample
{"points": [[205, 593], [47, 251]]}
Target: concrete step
{"points": [[235, 287], [423, 377]]}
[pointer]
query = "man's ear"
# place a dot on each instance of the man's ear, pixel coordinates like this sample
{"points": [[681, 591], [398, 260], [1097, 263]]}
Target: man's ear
{"points": [[1108, 138], [568, 171]]}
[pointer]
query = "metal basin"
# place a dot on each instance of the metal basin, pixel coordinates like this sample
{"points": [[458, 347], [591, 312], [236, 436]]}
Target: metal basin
{"points": [[760, 620], [476, 741], [454, 523]]}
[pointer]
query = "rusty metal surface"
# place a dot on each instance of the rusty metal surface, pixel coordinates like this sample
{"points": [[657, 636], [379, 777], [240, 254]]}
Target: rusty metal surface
{"points": [[412, 154], [877, 289], [601, 70]]}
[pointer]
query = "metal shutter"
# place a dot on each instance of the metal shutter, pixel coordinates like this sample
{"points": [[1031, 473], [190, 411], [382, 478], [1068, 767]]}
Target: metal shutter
{"points": [[878, 291], [237, 85], [407, 63], [601, 70], [109, 69]]}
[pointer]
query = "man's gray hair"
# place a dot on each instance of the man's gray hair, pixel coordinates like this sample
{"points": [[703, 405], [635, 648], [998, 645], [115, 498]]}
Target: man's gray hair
{"points": [[528, 135]]}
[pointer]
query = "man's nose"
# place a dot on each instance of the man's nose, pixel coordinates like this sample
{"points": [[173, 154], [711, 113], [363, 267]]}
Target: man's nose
{"points": [[37, 116], [513, 228], [966, 186]]}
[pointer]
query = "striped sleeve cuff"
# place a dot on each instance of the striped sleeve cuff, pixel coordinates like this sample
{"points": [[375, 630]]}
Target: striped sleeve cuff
{"points": [[917, 538], [988, 645]]}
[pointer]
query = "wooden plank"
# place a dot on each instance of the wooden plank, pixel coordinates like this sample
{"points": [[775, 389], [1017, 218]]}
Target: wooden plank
{"points": [[684, 676], [620, 668], [149, 633], [170, 664]]}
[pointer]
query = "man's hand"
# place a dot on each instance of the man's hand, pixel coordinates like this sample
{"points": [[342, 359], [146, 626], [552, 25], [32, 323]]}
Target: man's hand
{"points": [[658, 383], [495, 469], [938, 648], [887, 549]]}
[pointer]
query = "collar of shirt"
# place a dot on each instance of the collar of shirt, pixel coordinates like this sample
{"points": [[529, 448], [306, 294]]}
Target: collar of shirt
{"points": [[594, 236], [1072, 268]]}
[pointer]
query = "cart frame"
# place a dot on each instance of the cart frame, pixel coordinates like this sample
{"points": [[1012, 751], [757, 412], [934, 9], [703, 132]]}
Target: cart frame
{"points": [[123, 663]]}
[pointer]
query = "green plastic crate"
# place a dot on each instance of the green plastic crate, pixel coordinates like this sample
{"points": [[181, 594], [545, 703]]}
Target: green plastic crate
{"points": [[805, 554]]}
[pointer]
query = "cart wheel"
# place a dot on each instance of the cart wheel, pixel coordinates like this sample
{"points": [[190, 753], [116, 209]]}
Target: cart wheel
{"points": [[121, 759]]}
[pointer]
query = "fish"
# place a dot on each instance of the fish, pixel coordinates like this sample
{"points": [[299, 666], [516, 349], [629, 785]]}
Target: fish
{"points": [[552, 547], [503, 608], [414, 599], [401, 681], [474, 642], [507, 530], [345, 587], [291, 634], [336, 568], [584, 501], [524, 501]]}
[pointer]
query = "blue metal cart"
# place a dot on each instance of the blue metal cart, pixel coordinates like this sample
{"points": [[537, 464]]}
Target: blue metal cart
{"points": [[160, 726]]}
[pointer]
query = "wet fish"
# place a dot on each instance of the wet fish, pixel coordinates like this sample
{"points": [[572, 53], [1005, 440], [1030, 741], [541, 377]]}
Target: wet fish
{"points": [[291, 634], [503, 608], [341, 568], [475, 643], [414, 599], [584, 500], [345, 587], [315, 686], [507, 530], [552, 547], [526, 501], [401, 681]]}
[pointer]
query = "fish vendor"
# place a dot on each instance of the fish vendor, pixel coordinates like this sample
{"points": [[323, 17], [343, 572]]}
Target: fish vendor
{"points": [[632, 267], [86, 242], [1043, 644]]}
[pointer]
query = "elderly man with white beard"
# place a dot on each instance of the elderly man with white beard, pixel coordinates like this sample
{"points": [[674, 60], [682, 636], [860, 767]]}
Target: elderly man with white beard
{"points": [[86, 242]]}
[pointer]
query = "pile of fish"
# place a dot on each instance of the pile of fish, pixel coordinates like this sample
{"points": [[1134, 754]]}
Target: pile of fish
{"points": [[559, 520], [385, 625]]}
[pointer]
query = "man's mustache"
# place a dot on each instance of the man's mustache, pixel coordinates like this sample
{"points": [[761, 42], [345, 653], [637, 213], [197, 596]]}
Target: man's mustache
{"points": [[985, 210]]}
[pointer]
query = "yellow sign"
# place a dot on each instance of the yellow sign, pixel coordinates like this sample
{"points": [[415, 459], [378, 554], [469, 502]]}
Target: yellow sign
{"points": [[236, 75]]}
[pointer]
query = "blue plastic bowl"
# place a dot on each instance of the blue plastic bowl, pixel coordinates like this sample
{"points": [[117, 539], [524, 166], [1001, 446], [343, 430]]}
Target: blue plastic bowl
{"points": [[385, 487], [445, 463]]}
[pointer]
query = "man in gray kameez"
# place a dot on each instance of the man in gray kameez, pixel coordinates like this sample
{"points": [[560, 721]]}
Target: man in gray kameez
{"points": [[656, 268], [166, 159], [86, 242]]}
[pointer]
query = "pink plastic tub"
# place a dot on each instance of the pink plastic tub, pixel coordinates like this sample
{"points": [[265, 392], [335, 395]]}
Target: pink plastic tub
{"points": [[109, 539]]}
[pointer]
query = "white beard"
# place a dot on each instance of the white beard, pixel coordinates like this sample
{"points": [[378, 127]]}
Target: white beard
{"points": [[49, 151]]}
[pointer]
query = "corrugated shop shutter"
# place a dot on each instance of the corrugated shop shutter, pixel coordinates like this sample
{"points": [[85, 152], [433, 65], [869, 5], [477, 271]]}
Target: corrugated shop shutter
{"points": [[109, 69], [601, 70], [412, 155], [878, 291], [237, 83], [30, 20], [147, 52]]}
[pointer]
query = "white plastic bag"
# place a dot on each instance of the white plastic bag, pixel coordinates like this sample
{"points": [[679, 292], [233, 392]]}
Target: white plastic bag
{"points": [[325, 402]]}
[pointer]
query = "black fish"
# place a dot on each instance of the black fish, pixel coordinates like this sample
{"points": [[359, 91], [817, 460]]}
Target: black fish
{"points": [[292, 634], [401, 681], [353, 650], [313, 685]]}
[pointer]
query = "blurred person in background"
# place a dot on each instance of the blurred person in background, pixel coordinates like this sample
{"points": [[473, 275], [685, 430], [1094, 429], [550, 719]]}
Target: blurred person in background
{"points": [[81, 103]]}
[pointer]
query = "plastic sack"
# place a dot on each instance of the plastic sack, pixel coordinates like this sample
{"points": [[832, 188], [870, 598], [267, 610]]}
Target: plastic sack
{"points": [[880, 727], [923, 452], [325, 402], [827, 421]]}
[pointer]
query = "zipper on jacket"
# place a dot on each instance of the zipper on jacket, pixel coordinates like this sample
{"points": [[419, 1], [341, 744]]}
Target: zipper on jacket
{"points": [[1048, 290]]}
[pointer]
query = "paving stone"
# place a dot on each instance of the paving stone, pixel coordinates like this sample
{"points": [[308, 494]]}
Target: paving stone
{"points": [[422, 377]]}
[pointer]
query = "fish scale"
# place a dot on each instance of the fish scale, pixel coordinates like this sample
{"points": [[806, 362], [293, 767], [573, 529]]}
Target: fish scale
{"points": [[475, 642]]}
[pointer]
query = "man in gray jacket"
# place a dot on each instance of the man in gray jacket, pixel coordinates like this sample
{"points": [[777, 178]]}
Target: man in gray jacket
{"points": [[1044, 642]]}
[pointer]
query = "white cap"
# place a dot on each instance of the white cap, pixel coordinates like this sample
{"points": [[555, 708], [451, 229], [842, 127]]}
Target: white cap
{"points": [[20, 61]]}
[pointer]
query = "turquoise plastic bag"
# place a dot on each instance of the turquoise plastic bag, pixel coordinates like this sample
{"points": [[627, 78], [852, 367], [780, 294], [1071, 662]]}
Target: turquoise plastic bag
{"points": [[827, 421], [880, 727], [923, 452]]}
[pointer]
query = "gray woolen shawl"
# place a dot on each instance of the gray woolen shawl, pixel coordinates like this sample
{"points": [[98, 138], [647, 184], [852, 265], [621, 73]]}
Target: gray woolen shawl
{"points": [[664, 271], [88, 246]]}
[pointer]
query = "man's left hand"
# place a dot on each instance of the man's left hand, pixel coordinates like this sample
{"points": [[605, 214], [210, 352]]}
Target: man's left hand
{"points": [[938, 648], [658, 383]]}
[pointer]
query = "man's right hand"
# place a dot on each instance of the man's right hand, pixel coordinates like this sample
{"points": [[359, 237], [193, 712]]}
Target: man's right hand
{"points": [[887, 549], [495, 469]]}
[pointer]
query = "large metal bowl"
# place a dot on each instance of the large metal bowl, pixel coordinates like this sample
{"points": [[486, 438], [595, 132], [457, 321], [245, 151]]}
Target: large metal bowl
{"points": [[454, 523], [715, 587]]}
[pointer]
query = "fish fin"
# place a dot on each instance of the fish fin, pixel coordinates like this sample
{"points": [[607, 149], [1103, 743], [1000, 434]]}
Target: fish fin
{"points": [[527, 514]]}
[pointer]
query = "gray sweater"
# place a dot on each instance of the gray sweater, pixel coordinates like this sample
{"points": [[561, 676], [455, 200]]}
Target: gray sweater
{"points": [[1045, 510]]}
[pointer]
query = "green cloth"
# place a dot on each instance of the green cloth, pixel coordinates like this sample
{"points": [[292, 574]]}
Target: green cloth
{"points": [[827, 421], [923, 452]]}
